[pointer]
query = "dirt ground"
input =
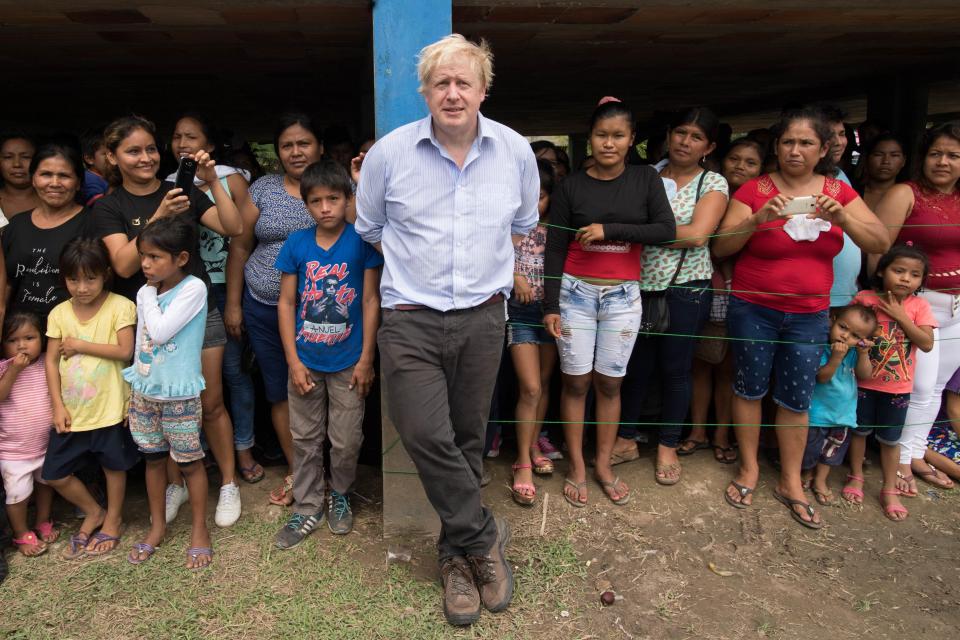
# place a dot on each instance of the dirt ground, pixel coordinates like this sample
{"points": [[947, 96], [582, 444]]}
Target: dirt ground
{"points": [[860, 576]]}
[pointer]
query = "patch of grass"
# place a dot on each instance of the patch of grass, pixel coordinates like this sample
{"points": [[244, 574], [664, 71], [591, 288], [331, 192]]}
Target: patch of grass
{"points": [[865, 605], [328, 587]]}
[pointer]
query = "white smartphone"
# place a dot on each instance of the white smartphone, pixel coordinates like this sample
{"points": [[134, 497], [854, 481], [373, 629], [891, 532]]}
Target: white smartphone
{"points": [[800, 205]]}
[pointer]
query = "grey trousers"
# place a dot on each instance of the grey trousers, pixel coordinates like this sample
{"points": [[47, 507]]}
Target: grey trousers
{"points": [[330, 410], [440, 370]]}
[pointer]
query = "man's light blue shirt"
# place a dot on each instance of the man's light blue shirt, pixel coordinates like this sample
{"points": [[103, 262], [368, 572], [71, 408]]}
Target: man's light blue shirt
{"points": [[445, 231]]}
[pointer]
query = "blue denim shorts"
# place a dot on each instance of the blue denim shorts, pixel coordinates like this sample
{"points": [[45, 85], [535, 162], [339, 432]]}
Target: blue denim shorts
{"points": [[526, 324], [598, 326], [825, 445], [881, 413], [792, 364]]}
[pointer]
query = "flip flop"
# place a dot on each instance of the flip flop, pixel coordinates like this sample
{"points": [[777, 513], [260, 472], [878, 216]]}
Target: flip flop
{"points": [[743, 490], [542, 465], [623, 499], [848, 493], [790, 504], [621, 457], [667, 481], [698, 445], [908, 480], [77, 548], [890, 509], [195, 552], [824, 498], [579, 486], [99, 538], [252, 474], [719, 454], [283, 495], [932, 476], [138, 548]]}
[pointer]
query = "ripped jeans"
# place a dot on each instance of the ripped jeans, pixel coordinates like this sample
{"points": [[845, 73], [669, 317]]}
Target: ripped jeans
{"points": [[599, 326]]}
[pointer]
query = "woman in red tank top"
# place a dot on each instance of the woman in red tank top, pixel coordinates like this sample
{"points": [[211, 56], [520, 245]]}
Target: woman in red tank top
{"points": [[926, 212], [780, 294]]}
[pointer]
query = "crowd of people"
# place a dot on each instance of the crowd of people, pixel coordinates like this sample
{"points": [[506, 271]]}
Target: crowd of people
{"points": [[772, 279]]}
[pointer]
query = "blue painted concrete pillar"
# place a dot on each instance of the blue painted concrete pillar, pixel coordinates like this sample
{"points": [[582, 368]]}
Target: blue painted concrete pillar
{"points": [[400, 29]]}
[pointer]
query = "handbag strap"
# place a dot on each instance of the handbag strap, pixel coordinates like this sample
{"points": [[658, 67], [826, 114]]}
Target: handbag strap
{"points": [[683, 254]]}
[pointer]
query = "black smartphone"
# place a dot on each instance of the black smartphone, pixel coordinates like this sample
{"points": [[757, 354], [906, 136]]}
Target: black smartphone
{"points": [[185, 175]]}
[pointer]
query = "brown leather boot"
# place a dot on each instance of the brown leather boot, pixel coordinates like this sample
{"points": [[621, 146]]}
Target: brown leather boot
{"points": [[461, 601], [493, 573]]}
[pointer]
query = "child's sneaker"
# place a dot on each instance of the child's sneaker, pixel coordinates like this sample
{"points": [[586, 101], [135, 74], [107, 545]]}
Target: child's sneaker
{"points": [[228, 506], [547, 449], [177, 496], [339, 514], [298, 527]]}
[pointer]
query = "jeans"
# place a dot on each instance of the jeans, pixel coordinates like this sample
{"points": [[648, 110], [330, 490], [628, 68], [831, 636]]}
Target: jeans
{"points": [[689, 309], [599, 325], [238, 382]]}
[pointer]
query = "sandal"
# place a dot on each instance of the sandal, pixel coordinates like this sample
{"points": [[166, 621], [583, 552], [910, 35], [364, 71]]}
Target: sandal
{"points": [[47, 531], [890, 509], [100, 538], [609, 487], [907, 480], [664, 474], [252, 474], [581, 487], [518, 488], [684, 450], [853, 495], [743, 491], [77, 548], [790, 504], [195, 552], [138, 549], [720, 454], [283, 495], [933, 476], [30, 539], [824, 498], [542, 465]]}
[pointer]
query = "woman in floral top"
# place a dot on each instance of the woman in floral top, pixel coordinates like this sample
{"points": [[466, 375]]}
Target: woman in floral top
{"points": [[698, 198]]}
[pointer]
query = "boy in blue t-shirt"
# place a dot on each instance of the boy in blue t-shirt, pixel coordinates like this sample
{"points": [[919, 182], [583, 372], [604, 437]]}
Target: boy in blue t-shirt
{"points": [[329, 311], [833, 409]]}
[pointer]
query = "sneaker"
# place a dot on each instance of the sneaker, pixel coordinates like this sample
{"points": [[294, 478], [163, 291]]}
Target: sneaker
{"points": [[228, 506], [547, 449], [493, 574], [298, 527], [177, 496], [461, 600], [339, 514], [494, 447]]}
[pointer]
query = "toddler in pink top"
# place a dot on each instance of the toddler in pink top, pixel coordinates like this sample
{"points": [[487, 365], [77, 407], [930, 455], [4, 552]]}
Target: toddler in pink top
{"points": [[25, 420]]}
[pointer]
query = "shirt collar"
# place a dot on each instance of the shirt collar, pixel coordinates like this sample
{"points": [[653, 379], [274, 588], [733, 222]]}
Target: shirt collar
{"points": [[425, 129]]}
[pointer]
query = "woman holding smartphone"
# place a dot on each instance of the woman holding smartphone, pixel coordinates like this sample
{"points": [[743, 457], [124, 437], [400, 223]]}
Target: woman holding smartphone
{"points": [[780, 295]]}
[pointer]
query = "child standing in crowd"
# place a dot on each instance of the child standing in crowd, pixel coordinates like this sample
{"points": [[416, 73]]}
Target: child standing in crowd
{"points": [[833, 408], [329, 311], [906, 322], [90, 339], [166, 380], [25, 421], [943, 443], [533, 351]]}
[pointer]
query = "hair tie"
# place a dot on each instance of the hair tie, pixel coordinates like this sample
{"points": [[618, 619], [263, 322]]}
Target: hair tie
{"points": [[909, 243], [606, 99]]}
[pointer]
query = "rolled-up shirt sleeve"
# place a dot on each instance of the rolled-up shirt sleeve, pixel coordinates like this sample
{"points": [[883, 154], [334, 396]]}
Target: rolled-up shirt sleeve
{"points": [[527, 216], [371, 196]]}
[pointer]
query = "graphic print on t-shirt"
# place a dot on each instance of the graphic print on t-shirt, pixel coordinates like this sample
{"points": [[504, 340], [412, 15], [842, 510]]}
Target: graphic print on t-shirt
{"points": [[890, 358], [325, 304]]}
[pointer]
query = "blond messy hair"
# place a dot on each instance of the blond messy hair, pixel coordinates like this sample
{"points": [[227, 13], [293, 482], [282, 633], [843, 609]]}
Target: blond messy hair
{"points": [[478, 56]]}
